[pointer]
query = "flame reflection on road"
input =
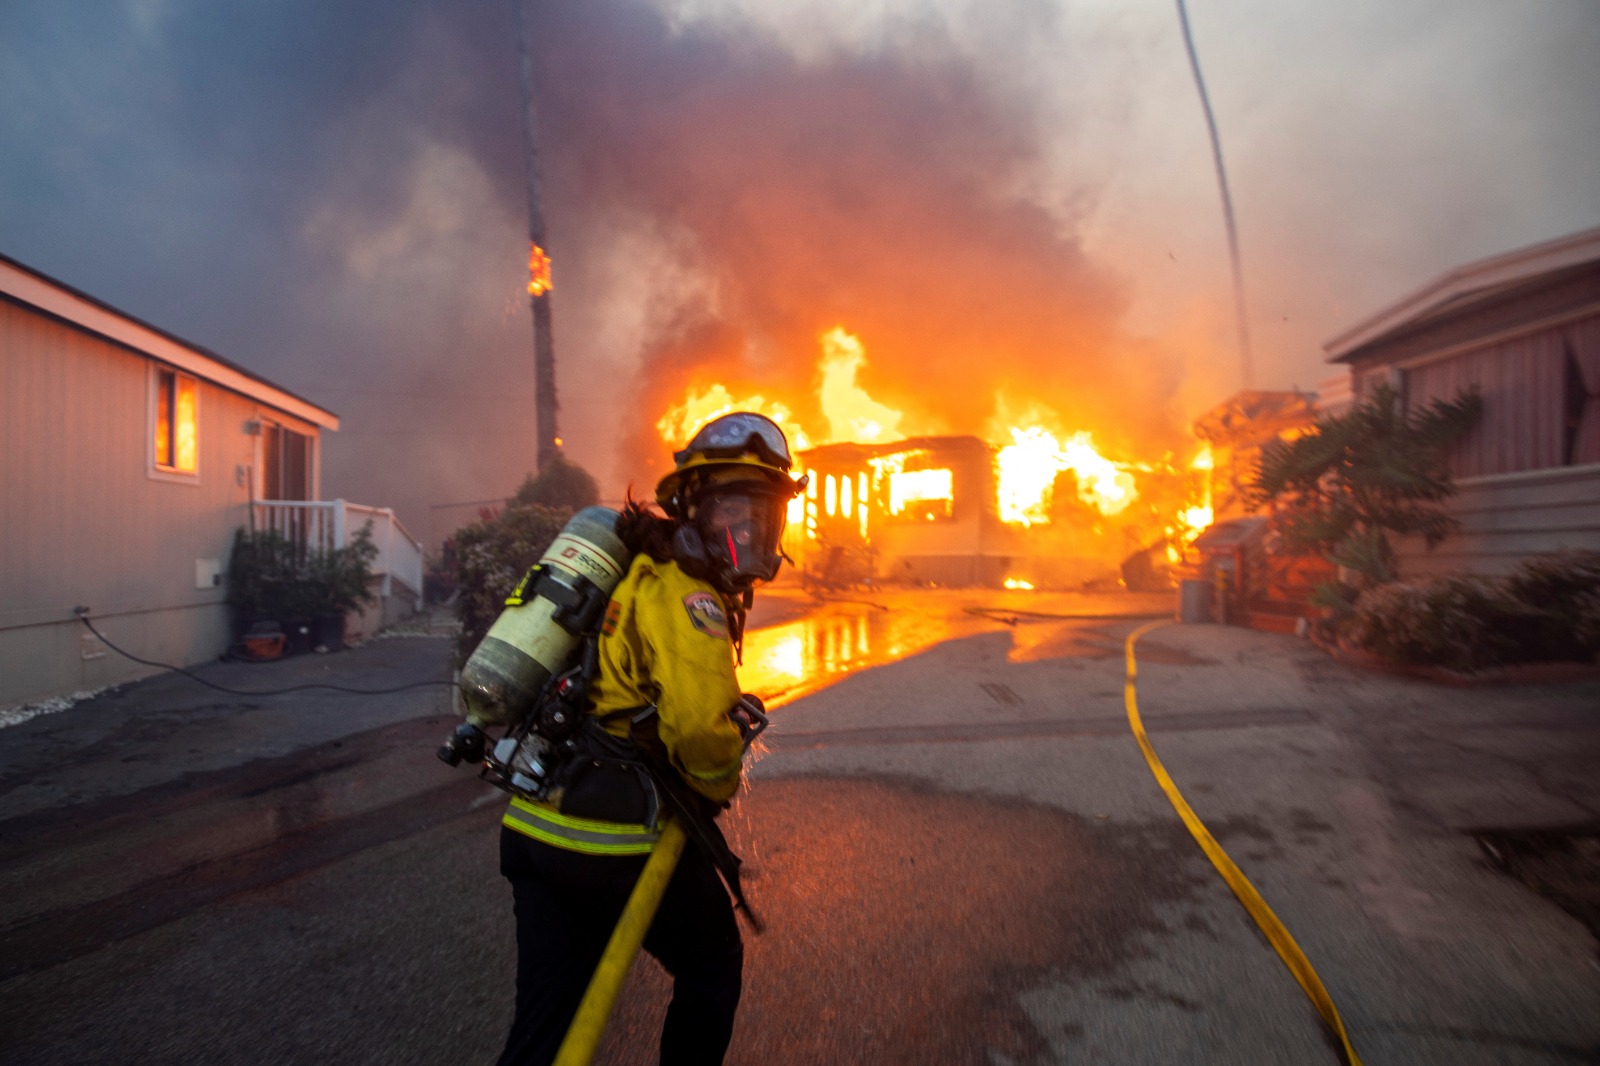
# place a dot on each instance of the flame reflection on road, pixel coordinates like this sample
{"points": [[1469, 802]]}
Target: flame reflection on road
{"points": [[784, 662]]}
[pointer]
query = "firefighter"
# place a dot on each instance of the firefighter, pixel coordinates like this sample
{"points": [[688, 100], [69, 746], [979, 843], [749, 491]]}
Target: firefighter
{"points": [[665, 685]]}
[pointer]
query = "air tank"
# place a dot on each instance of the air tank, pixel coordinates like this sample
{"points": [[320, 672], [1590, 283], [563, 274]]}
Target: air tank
{"points": [[536, 635]]}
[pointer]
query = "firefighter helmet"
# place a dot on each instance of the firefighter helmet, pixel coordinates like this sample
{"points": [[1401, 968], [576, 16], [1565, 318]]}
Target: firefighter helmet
{"points": [[730, 490]]}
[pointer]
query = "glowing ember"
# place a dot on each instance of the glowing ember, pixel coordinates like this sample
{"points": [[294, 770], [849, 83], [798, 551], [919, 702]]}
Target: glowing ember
{"points": [[698, 408], [1018, 583], [1027, 470], [852, 415], [538, 270]]}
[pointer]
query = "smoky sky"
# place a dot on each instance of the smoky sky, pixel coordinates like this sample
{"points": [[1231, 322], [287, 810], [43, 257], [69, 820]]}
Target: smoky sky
{"points": [[334, 196]]}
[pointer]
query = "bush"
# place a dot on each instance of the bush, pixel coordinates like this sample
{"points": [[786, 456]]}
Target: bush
{"points": [[1562, 591], [338, 581], [559, 484], [269, 576], [491, 556], [441, 574], [261, 573], [1460, 623]]}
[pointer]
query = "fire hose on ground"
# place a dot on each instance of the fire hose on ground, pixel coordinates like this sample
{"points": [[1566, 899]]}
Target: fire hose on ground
{"points": [[1269, 924]]}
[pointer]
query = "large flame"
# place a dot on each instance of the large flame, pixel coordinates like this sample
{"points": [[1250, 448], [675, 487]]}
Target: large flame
{"points": [[699, 407], [851, 414], [1194, 519], [1028, 470], [1028, 467]]}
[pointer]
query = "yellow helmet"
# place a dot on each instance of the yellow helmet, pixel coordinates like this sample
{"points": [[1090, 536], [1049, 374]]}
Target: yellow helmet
{"points": [[730, 491], [742, 446]]}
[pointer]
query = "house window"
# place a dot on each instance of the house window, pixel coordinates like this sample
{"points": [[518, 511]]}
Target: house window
{"points": [[177, 422]]}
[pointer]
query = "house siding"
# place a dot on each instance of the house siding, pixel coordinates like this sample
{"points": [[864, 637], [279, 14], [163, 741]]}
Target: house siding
{"points": [[83, 522], [1505, 519]]}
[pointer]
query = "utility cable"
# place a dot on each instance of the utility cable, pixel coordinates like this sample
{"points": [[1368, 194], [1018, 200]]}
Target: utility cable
{"points": [[84, 618], [1268, 922], [1246, 368]]}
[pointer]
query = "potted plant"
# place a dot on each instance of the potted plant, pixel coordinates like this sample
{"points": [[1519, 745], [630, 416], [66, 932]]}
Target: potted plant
{"points": [[305, 593], [335, 583], [261, 574]]}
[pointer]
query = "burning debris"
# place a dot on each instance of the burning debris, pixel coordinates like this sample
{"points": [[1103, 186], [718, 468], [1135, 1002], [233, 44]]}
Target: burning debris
{"points": [[1047, 509]]}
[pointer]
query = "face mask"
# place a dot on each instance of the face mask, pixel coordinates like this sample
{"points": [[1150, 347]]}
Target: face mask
{"points": [[741, 527]]}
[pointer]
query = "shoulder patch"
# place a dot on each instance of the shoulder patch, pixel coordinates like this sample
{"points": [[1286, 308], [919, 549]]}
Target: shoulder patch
{"points": [[706, 614]]}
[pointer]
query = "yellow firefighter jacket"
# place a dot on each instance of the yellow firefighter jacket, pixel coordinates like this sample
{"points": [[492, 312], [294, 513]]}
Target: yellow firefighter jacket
{"points": [[665, 641]]}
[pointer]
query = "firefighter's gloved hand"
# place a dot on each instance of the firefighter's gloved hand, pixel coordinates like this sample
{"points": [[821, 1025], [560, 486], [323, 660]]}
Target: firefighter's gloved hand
{"points": [[750, 715]]}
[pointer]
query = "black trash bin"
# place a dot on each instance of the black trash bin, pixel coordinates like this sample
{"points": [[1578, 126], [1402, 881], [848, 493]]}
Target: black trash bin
{"points": [[327, 632], [297, 634]]}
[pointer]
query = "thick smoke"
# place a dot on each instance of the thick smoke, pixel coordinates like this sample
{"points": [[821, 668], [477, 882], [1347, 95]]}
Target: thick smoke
{"points": [[868, 191], [333, 195]]}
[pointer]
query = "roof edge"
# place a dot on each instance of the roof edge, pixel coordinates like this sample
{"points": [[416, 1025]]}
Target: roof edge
{"points": [[38, 290], [1507, 267]]}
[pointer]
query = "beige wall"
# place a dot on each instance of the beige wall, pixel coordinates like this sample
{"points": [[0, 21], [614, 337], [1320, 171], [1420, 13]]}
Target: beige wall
{"points": [[84, 522], [1506, 519]]}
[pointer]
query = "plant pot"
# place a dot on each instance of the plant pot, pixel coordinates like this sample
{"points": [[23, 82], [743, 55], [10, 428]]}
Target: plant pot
{"points": [[297, 634], [327, 631], [262, 641]]}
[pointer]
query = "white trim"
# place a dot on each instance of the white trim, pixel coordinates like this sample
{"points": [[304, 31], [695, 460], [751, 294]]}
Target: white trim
{"points": [[28, 288], [1501, 270]]}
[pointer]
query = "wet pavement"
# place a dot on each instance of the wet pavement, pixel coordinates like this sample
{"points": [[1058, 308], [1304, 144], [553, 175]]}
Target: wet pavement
{"points": [[957, 848], [800, 643]]}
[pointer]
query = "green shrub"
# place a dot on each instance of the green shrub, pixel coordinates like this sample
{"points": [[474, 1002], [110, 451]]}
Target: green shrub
{"points": [[261, 576], [1460, 623], [1562, 591], [491, 557], [560, 484], [269, 576]]}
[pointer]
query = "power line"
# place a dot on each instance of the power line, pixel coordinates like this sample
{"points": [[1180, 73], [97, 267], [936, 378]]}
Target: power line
{"points": [[1246, 369]]}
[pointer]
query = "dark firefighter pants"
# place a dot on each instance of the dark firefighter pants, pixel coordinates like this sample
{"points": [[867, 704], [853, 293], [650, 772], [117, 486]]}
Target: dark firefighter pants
{"points": [[567, 904]]}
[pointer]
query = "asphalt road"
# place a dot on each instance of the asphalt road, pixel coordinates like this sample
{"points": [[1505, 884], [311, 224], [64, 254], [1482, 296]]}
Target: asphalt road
{"points": [[958, 850]]}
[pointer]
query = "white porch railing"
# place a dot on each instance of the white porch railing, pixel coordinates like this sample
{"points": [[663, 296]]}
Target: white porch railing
{"points": [[327, 524]]}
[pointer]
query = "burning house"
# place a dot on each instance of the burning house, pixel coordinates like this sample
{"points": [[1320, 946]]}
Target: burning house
{"points": [[1045, 509], [957, 510], [916, 510], [1239, 428]]}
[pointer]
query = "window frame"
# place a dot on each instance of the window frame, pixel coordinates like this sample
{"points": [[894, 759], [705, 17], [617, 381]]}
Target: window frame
{"points": [[155, 468]]}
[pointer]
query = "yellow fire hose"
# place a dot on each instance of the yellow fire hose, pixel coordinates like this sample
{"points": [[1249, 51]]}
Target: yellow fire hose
{"points": [[583, 1036], [1265, 919]]}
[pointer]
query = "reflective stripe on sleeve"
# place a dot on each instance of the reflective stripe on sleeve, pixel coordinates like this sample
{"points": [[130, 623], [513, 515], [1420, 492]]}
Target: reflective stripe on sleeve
{"points": [[578, 834]]}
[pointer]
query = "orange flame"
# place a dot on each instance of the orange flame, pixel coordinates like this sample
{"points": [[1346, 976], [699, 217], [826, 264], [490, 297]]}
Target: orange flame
{"points": [[1027, 469], [1195, 519], [851, 414], [538, 270], [698, 408]]}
